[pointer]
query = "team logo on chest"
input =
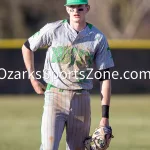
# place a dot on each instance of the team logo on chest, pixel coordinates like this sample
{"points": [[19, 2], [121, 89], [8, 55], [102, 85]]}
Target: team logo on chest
{"points": [[73, 56]]}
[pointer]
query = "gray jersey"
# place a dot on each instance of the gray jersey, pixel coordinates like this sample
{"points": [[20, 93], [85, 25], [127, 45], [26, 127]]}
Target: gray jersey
{"points": [[70, 54]]}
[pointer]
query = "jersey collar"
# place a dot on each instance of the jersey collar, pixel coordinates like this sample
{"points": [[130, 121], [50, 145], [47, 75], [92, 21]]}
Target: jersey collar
{"points": [[86, 31]]}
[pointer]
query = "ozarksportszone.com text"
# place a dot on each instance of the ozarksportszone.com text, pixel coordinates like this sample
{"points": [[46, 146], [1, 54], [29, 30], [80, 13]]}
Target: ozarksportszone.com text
{"points": [[115, 75]]}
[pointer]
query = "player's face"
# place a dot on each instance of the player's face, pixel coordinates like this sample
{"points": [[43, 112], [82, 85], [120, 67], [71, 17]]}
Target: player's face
{"points": [[77, 12]]}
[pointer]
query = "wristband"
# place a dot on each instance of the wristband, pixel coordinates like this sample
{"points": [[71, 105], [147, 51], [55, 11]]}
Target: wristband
{"points": [[105, 111]]}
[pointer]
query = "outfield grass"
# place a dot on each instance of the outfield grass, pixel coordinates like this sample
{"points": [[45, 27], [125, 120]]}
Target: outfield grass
{"points": [[20, 118]]}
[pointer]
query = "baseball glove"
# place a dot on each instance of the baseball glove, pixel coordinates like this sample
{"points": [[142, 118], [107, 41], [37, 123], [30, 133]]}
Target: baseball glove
{"points": [[100, 139]]}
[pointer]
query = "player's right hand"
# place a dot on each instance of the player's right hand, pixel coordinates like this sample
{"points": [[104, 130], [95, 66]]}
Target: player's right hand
{"points": [[38, 86]]}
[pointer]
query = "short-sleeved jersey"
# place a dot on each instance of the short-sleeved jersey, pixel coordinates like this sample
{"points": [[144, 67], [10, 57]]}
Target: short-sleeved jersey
{"points": [[70, 54]]}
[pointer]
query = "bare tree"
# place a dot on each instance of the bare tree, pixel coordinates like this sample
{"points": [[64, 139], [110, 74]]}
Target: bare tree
{"points": [[116, 18], [119, 19]]}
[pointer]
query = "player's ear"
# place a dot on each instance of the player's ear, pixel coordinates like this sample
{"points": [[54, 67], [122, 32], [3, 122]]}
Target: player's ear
{"points": [[88, 7], [67, 9]]}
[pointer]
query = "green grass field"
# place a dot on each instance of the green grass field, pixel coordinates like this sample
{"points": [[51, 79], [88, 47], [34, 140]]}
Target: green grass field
{"points": [[20, 118]]}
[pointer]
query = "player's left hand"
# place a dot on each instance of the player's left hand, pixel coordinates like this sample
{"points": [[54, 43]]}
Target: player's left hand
{"points": [[105, 123], [102, 137]]}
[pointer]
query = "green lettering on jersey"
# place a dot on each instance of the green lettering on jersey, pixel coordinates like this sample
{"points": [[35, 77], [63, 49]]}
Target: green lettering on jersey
{"points": [[72, 56], [57, 54]]}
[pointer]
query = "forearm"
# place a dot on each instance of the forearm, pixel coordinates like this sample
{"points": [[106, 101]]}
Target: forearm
{"points": [[105, 96], [105, 92], [28, 58]]}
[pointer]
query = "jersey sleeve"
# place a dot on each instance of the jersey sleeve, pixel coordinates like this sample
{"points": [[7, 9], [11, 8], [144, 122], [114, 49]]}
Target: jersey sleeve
{"points": [[40, 39], [103, 56]]}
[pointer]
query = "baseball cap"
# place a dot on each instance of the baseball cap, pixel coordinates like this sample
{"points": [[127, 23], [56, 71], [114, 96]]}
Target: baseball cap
{"points": [[76, 2]]}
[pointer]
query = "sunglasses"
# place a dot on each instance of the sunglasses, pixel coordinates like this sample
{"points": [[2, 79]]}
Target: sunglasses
{"points": [[78, 7]]}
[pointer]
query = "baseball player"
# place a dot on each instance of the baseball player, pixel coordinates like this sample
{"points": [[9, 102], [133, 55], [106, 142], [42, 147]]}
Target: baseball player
{"points": [[73, 46]]}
